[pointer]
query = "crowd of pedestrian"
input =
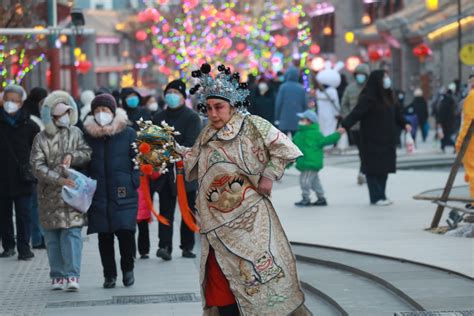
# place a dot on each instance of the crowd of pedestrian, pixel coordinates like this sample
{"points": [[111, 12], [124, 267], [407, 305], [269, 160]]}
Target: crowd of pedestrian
{"points": [[43, 135]]}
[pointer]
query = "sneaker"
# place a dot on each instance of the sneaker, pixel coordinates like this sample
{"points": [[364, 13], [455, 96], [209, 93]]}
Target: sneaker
{"points": [[109, 282], [26, 255], [303, 203], [7, 253], [383, 203], [320, 202], [144, 256], [164, 253], [188, 254], [72, 284], [128, 279], [470, 206], [57, 284]]}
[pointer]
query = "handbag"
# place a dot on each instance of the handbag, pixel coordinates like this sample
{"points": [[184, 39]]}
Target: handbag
{"points": [[24, 169]]}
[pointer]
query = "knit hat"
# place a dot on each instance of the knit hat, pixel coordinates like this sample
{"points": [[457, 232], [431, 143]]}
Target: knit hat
{"points": [[178, 85], [106, 100]]}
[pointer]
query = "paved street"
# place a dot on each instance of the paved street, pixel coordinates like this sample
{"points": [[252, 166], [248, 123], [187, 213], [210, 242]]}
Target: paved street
{"points": [[171, 288]]}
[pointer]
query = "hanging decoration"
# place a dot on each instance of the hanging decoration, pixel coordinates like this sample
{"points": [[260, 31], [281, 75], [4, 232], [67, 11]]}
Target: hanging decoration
{"points": [[422, 51]]}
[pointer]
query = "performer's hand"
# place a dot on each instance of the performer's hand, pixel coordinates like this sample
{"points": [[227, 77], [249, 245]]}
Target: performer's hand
{"points": [[265, 186]]}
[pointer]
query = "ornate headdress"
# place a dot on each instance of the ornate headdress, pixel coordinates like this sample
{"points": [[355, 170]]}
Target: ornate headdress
{"points": [[224, 86]]}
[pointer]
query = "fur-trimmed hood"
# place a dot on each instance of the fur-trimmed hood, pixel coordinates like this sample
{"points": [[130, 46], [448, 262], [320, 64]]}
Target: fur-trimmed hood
{"points": [[49, 103], [119, 123]]}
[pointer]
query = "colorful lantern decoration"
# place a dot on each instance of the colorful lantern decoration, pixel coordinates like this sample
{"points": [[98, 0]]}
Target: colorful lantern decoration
{"points": [[349, 37], [352, 62], [318, 63], [432, 5], [291, 20]]}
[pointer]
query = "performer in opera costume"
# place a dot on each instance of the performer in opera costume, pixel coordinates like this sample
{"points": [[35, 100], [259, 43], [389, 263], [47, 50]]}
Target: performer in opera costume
{"points": [[247, 266]]}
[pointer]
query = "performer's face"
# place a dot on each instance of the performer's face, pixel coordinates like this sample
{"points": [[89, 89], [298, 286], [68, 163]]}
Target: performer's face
{"points": [[219, 112]]}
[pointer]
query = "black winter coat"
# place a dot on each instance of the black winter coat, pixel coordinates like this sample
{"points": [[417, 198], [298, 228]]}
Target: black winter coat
{"points": [[115, 202], [15, 144], [135, 114], [379, 133], [420, 108], [264, 105], [188, 123], [446, 115]]}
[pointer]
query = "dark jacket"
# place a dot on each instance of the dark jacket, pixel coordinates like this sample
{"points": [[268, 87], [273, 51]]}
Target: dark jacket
{"points": [[188, 123], [378, 128], [115, 202], [15, 141], [264, 105], [419, 107], [291, 99], [446, 114]]}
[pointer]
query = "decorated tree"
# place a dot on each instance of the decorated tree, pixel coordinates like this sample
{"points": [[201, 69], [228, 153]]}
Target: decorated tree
{"points": [[182, 36], [19, 54]]}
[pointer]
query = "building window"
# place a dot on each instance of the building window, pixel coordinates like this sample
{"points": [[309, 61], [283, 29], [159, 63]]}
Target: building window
{"points": [[374, 10], [322, 32]]}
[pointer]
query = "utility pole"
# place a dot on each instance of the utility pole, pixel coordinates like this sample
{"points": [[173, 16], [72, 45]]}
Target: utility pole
{"points": [[459, 44], [53, 51]]}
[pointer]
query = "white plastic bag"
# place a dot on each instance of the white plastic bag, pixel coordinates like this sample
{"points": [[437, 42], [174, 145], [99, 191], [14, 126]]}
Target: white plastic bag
{"points": [[79, 197], [343, 142], [409, 143]]}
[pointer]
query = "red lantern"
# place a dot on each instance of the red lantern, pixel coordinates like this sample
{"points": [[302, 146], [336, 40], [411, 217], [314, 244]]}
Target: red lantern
{"points": [[141, 35], [314, 49], [374, 55], [83, 66], [291, 20], [422, 51]]}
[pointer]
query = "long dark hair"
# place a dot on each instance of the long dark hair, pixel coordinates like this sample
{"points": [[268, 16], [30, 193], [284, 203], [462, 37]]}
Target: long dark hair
{"points": [[374, 88]]}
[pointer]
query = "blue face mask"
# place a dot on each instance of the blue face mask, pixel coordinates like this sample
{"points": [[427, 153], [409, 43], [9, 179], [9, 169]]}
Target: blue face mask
{"points": [[132, 102], [173, 100], [360, 78], [387, 83]]}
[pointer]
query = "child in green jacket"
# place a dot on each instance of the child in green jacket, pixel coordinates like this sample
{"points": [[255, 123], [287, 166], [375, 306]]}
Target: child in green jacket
{"points": [[311, 142]]}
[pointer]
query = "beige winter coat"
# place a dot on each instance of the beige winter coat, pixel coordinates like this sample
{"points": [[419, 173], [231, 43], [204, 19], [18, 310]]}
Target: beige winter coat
{"points": [[49, 148]]}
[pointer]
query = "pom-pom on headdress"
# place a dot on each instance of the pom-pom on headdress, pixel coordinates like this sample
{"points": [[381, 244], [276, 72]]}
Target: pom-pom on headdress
{"points": [[225, 86]]}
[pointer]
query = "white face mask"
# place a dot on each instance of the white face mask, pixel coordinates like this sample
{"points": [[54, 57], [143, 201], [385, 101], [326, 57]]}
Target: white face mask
{"points": [[10, 107], [262, 87], [63, 121], [152, 107], [387, 83], [103, 118]]}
